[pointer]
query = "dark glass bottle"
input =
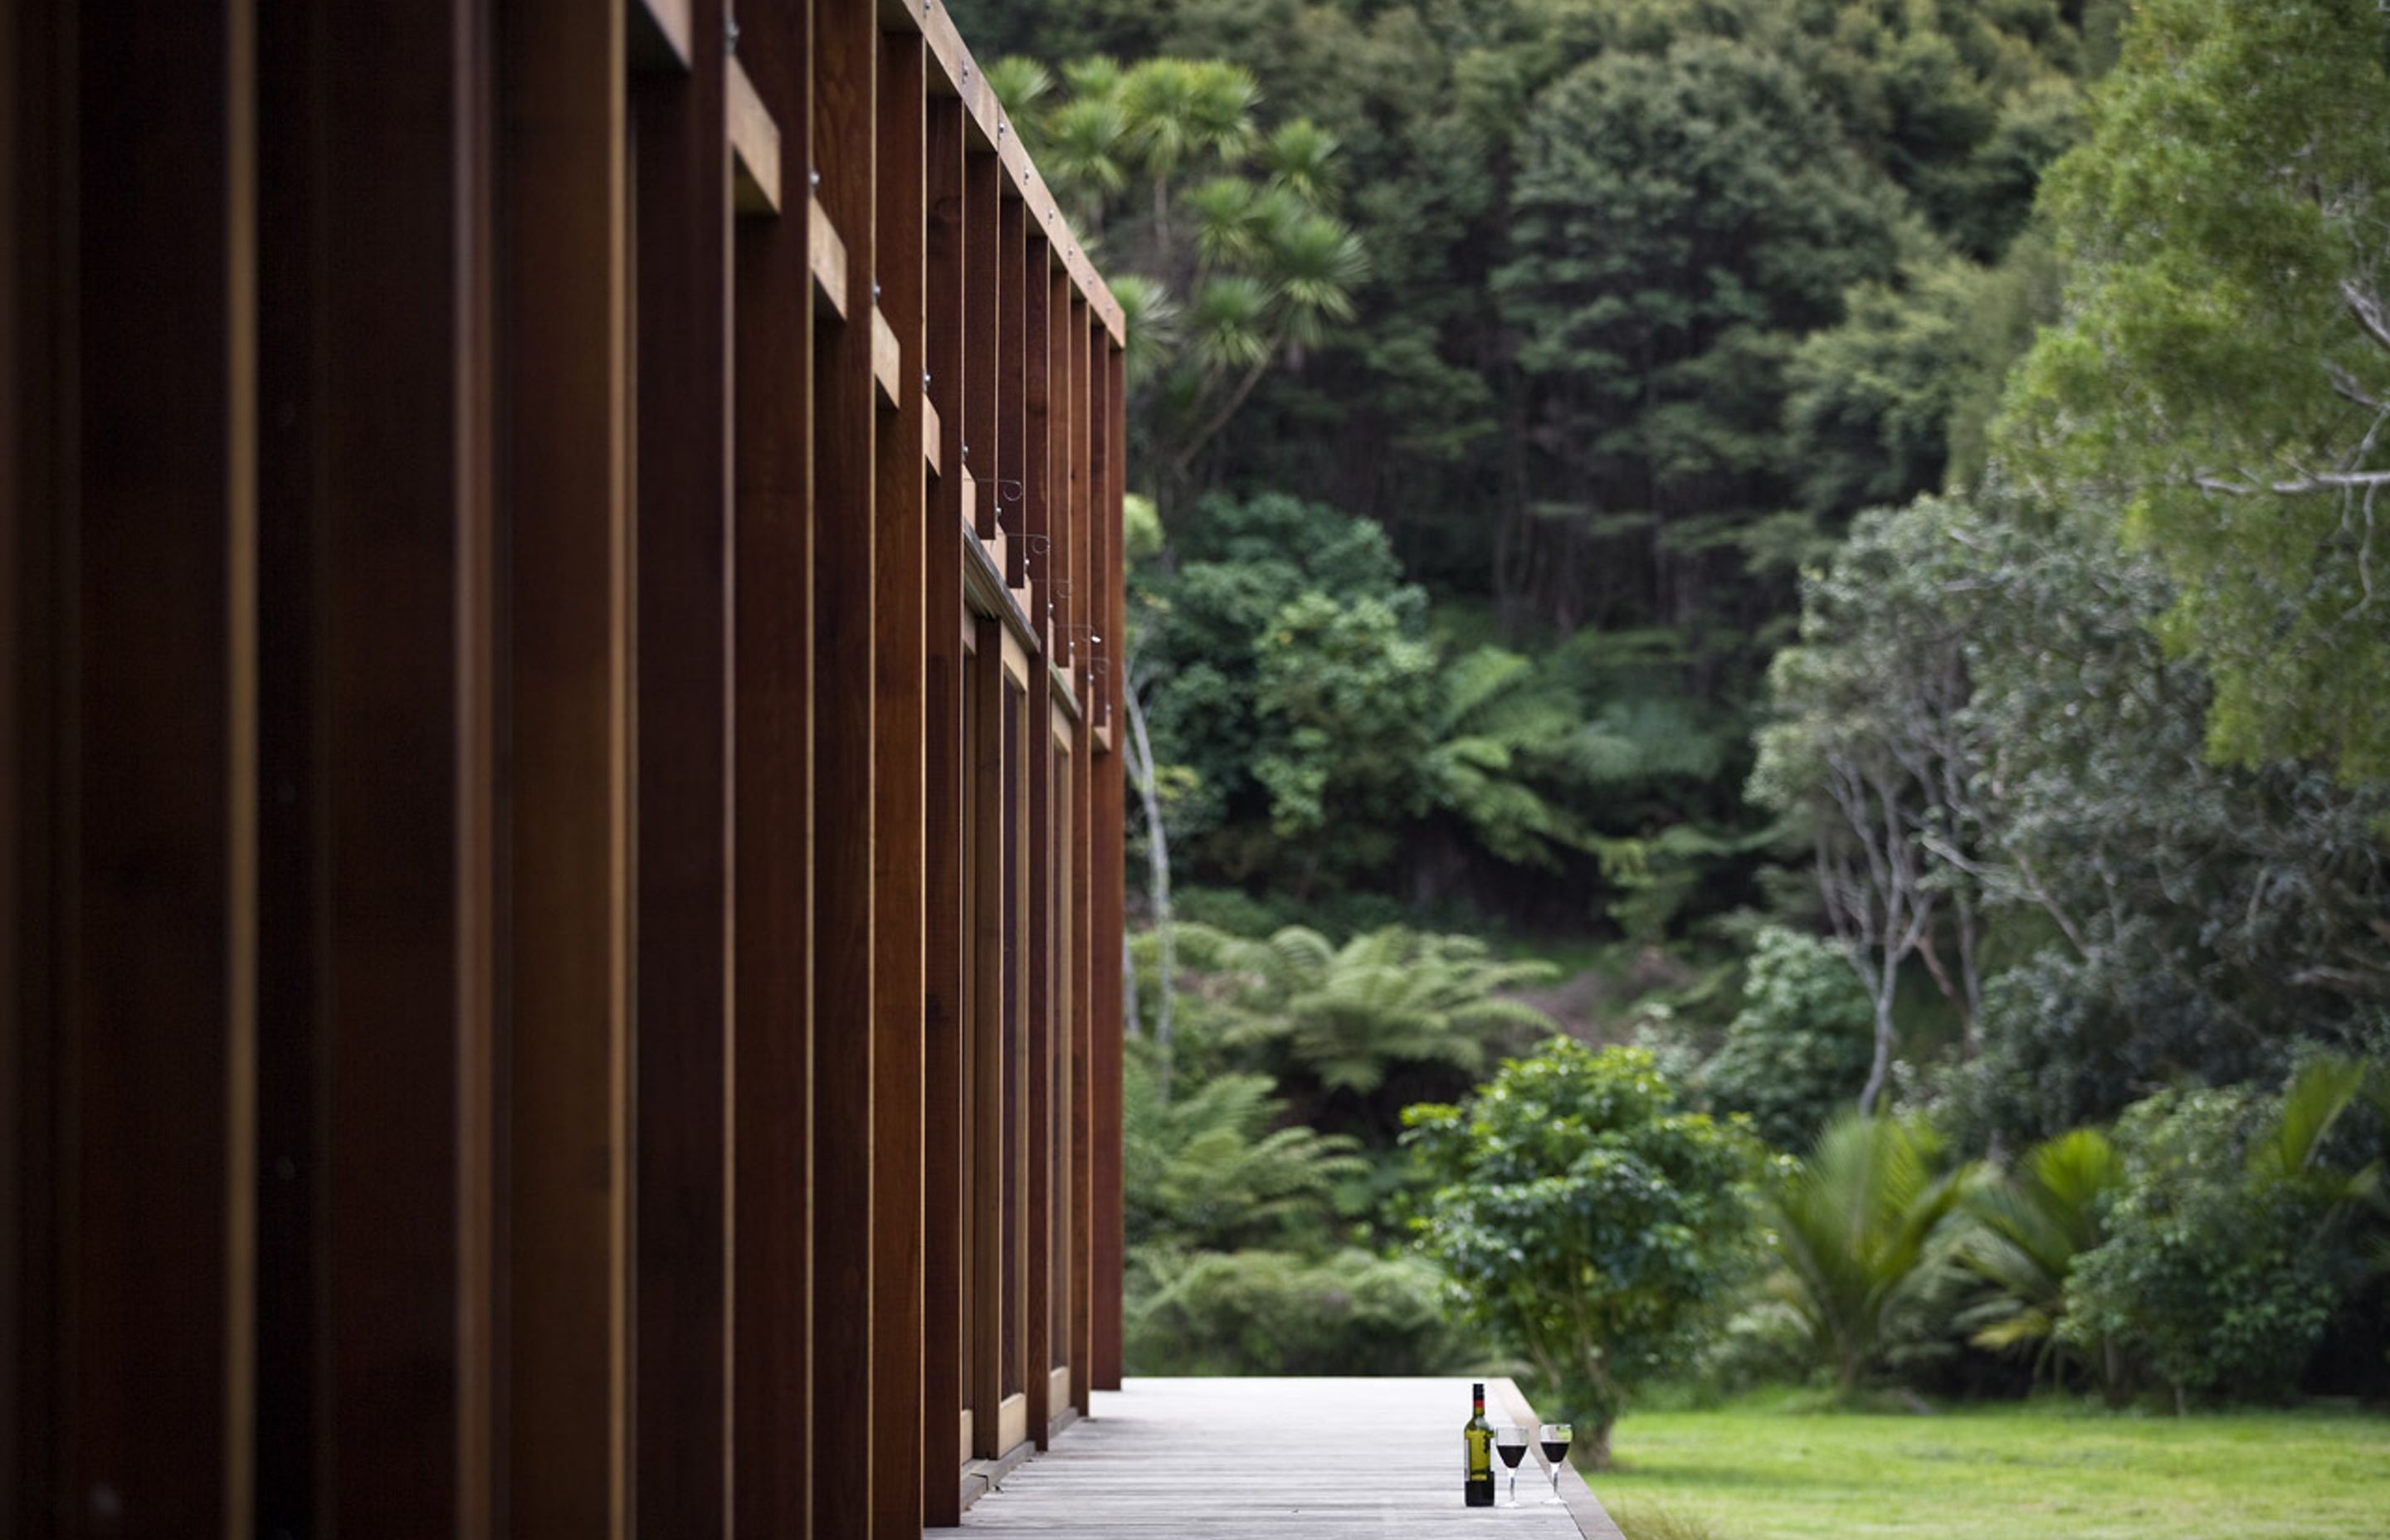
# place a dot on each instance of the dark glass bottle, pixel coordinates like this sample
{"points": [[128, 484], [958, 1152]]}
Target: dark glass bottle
{"points": [[1477, 1453]]}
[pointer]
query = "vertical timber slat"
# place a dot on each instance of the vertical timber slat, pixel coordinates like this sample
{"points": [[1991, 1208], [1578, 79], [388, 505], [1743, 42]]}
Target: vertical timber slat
{"points": [[408, 1021], [899, 639], [685, 886], [774, 1012], [147, 543], [946, 1010], [846, 52], [566, 308], [1104, 1090]]}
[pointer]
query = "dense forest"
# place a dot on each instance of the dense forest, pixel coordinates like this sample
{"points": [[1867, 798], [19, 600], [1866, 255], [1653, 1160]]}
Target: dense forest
{"points": [[1762, 711]]}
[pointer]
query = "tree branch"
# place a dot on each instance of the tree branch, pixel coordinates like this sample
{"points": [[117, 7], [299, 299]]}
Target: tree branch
{"points": [[2371, 314], [2322, 480]]}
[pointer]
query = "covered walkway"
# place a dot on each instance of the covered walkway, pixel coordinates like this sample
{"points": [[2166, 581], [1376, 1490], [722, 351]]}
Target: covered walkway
{"points": [[1253, 1459]]}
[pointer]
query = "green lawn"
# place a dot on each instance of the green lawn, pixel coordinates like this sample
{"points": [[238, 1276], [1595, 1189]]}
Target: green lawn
{"points": [[1765, 1470]]}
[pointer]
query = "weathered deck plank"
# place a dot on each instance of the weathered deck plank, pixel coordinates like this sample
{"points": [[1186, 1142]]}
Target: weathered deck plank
{"points": [[1247, 1460]]}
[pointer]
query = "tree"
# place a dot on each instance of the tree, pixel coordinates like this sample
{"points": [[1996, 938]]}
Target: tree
{"points": [[1871, 744], [2183, 920], [1586, 1219], [1859, 1226], [1800, 1044], [2226, 354], [1677, 218], [1985, 671], [1261, 275], [1293, 681]]}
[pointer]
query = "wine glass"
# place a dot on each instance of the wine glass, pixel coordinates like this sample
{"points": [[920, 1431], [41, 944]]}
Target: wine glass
{"points": [[1555, 1436], [1511, 1442]]}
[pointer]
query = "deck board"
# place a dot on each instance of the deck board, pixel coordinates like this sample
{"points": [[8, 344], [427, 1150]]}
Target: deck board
{"points": [[1248, 1459]]}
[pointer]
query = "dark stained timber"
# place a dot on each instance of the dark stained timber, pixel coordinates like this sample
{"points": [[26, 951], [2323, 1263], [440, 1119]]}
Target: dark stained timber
{"points": [[846, 75], [560, 855], [566, 311], [681, 214], [946, 1002], [772, 1460], [900, 637]]}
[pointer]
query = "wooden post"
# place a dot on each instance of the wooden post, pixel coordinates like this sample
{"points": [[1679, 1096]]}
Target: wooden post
{"points": [[1042, 505], [566, 311], [408, 1016], [686, 885], [154, 672], [1109, 916], [900, 638], [846, 69], [772, 1470], [947, 1006], [1085, 562]]}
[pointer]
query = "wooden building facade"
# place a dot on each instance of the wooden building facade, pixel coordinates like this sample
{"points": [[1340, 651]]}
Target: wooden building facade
{"points": [[561, 848]]}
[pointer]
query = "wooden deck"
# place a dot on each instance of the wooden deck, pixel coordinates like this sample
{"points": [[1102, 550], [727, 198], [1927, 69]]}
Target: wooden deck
{"points": [[1248, 1460]]}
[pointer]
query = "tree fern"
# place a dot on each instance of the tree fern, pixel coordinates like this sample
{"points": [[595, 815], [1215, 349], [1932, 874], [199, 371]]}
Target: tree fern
{"points": [[1351, 1014]]}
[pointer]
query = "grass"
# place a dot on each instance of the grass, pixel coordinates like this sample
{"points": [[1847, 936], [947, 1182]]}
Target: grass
{"points": [[1767, 1469]]}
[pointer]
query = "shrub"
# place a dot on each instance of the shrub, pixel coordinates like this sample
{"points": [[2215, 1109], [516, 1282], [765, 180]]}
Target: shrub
{"points": [[1274, 1313], [1586, 1219], [1798, 1050], [2227, 1253]]}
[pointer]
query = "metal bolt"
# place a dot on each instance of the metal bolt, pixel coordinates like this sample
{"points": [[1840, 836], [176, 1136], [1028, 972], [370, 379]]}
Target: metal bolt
{"points": [[925, 379], [875, 291], [815, 176], [731, 34]]}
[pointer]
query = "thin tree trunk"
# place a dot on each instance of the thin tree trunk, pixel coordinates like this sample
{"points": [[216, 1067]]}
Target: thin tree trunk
{"points": [[1185, 459], [1971, 979], [1887, 982], [1157, 867]]}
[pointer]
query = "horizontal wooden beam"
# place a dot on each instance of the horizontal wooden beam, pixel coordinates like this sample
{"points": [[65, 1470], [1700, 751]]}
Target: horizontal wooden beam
{"points": [[660, 33], [984, 583], [930, 432], [829, 259], [952, 69], [1059, 685], [755, 147], [887, 360]]}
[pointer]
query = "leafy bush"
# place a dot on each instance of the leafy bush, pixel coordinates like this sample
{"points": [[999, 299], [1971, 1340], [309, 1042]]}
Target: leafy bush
{"points": [[1798, 1051], [1586, 1219], [2227, 1247], [1257, 1312]]}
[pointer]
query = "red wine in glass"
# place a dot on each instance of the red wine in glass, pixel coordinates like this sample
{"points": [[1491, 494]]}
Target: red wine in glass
{"points": [[1555, 1437], [1511, 1445]]}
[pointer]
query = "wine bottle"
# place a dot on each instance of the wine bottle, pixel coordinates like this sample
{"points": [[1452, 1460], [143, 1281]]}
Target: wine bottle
{"points": [[1477, 1453]]}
